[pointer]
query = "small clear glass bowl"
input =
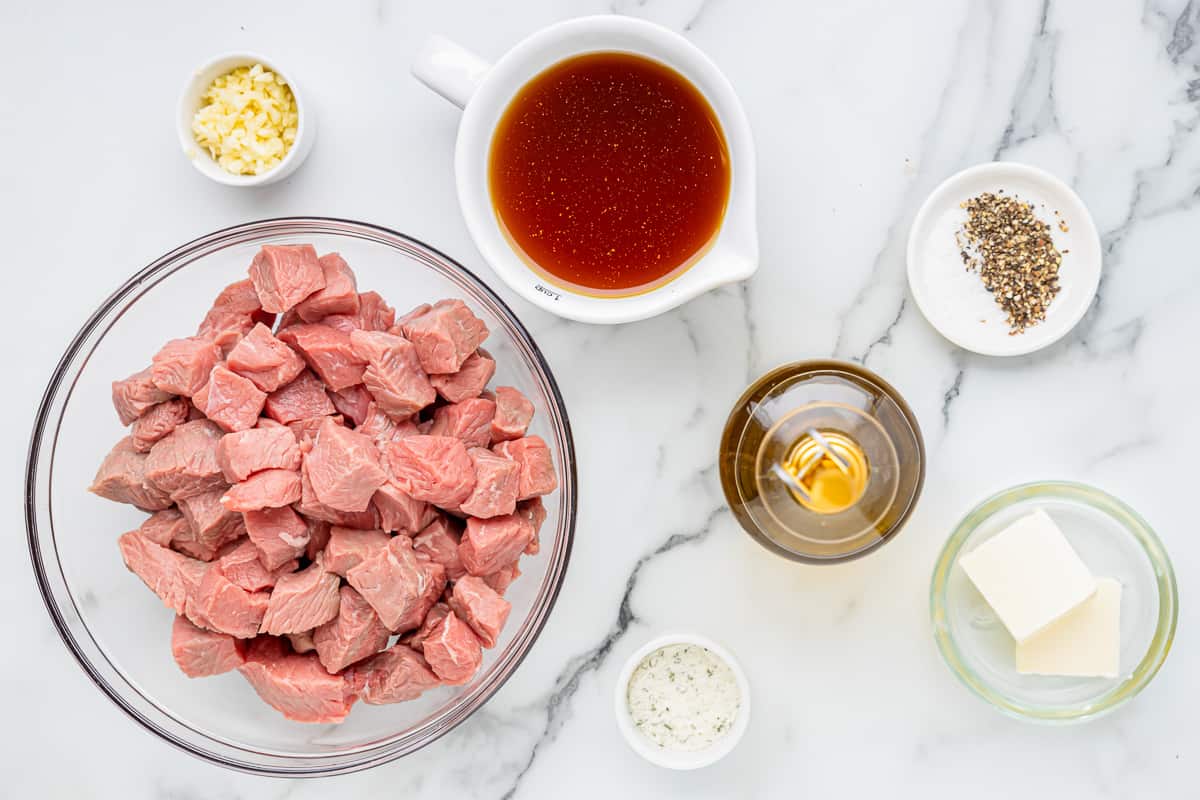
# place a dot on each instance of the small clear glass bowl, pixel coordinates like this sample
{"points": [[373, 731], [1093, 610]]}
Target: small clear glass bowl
{"points": [[120, 633], [1114, 542]]}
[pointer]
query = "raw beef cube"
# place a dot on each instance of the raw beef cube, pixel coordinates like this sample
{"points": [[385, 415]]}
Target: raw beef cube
{"points": [[348, 547], [122, 478], [279, 535], [470, 420], [537, 465], [497, 481], [353, 402], [400, 513], [135, 395], [481, 607], [295, 685], [469, 381], [445, 335], [328, 352], [339, 296], [283, 275], [395, 582], [157, 422], [210, 525], [452, 651], [184, 462], [163, 526], [383, 429], [200, 653], [301, 642], [419, 311], [286, 569], [534, 511], [489, 544], [302, 600], [435, 585], [435, 469], [271, 488], [182, 365], [313, 508], [239, 296], [373, 315], [439, 542], [264, 360], [393, 375], [319, 532], [502, 578], [416, 639], [240, 563], [301, 399], [225, 328], [221, 605], [242, 454], [354, 634], [346, 323], [172, 576], [344, 468], [305, 430], [230, 400], [513, 413], [233, 314], [392, 676]]}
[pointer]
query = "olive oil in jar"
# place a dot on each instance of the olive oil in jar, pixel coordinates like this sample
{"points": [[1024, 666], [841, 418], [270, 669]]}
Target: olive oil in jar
{"points": [[821, 461], [828, 469]]}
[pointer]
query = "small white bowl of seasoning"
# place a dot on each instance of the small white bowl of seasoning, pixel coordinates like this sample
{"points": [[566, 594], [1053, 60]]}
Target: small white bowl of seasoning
{"points": [[1003, 224], [236, 148], [682, 701]]}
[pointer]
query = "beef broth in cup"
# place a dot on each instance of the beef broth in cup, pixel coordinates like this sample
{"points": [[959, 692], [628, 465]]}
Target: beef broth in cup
{"points": [[604, 166], [609, 173]]}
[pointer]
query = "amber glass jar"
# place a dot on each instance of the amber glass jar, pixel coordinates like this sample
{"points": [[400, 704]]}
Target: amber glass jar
{"points": [[822, 461]]}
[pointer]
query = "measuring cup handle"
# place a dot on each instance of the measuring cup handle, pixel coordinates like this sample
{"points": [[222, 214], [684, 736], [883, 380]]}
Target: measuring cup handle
{"points": [[449, 69]]}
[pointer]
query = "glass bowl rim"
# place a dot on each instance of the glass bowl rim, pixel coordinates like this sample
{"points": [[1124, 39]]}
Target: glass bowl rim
{"points": [[364, 757], [1134, 525]]}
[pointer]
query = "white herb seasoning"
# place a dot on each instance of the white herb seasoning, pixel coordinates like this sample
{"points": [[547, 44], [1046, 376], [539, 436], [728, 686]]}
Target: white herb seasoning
{"points": [[683, 697]]}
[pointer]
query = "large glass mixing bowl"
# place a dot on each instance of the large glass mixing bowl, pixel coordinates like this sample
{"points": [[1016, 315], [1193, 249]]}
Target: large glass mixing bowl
{"points": [[120, 632]]}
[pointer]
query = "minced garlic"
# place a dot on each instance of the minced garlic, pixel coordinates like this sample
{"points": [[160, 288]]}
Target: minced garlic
{"points": [[248, 120]]}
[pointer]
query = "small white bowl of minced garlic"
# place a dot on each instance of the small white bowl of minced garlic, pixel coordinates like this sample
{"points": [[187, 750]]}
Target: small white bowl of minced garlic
{"points": [[682, 701], [243, 122]]}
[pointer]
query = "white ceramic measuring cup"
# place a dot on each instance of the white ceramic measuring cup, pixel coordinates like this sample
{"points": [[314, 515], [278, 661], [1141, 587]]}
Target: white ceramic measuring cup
{"points": [[484, 90]]}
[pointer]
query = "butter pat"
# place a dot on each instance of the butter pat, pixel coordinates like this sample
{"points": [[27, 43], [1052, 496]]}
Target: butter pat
{"points": [[1029, 574], [1086, 642]]}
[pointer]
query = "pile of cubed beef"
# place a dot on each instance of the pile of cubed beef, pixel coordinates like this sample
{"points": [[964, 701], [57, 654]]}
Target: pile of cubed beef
{"points": [[338, 503]]}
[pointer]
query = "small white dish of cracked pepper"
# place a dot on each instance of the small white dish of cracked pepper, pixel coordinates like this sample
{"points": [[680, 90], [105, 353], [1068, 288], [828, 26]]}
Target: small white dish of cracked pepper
{"points": [[1003, 259]]}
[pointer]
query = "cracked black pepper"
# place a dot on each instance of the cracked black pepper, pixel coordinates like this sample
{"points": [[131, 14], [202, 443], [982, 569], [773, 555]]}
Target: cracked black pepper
{"points": [[1014, 254]]}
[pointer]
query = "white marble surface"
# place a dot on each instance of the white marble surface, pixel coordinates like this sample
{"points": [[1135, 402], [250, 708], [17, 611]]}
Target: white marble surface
{"points": [[859, 109]]}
